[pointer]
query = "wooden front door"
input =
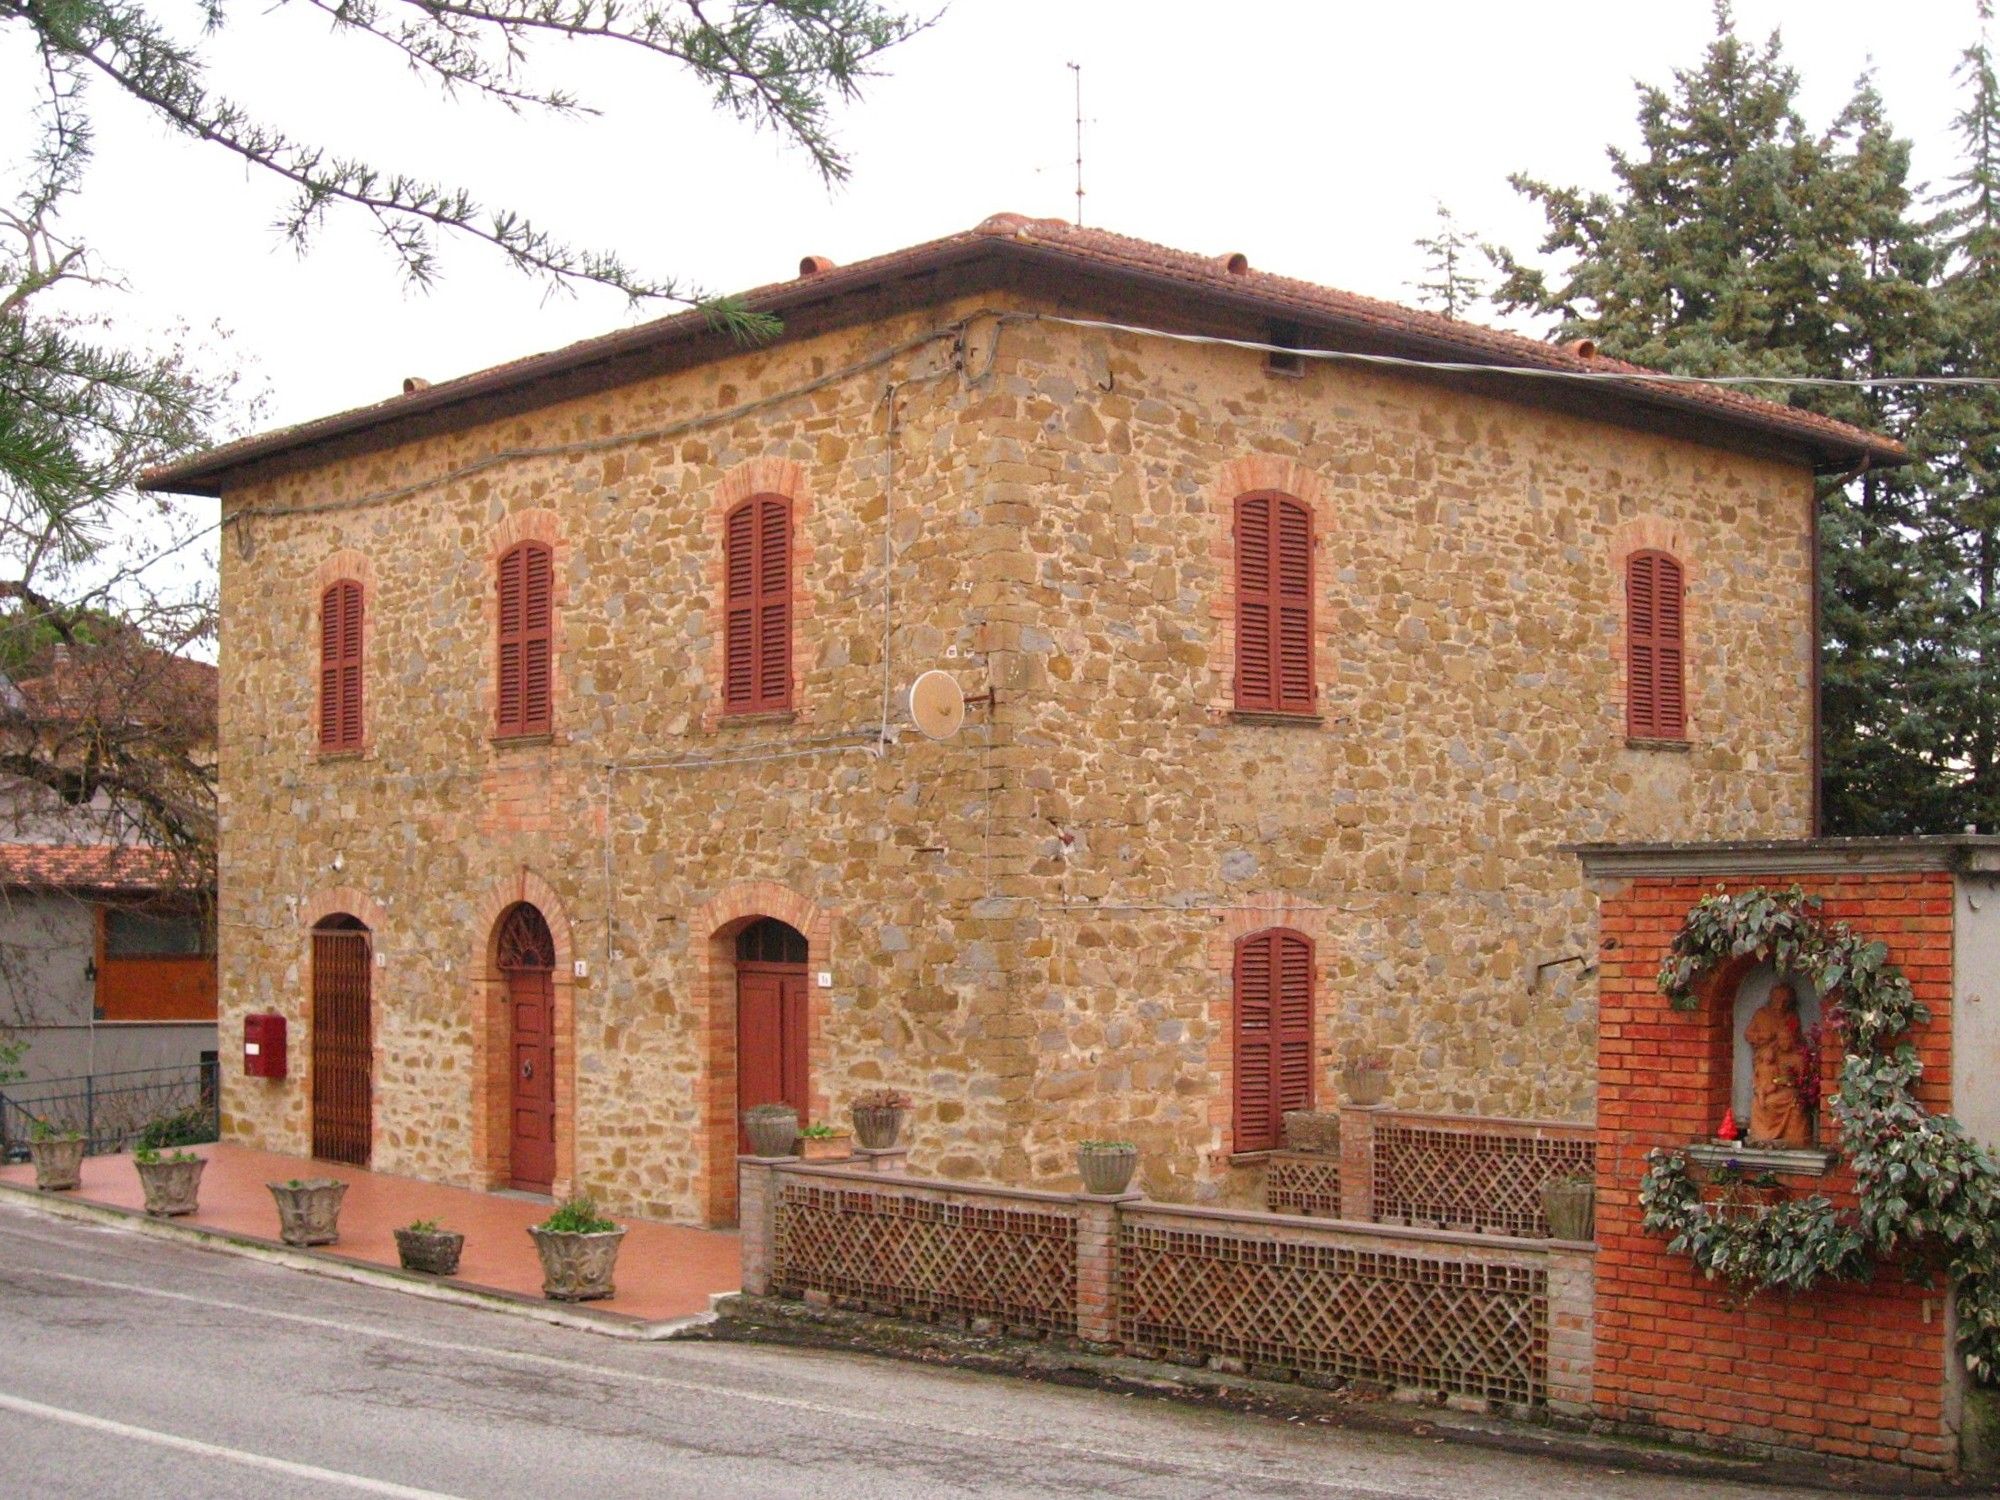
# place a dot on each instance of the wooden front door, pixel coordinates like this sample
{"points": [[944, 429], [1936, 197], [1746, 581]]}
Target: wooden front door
{"points": [[343, 1043], [770, 1039], [527, 967]]}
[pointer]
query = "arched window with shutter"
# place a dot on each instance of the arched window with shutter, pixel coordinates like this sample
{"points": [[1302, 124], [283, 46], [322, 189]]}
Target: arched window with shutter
{"points": [[526, 645], [1655, 647], [340, 666], [757, 608], [1274, 604], [1273, 1034]]}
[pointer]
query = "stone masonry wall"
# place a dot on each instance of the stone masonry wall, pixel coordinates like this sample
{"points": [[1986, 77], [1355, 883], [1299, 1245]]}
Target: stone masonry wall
{"points": [[1028, 926]]}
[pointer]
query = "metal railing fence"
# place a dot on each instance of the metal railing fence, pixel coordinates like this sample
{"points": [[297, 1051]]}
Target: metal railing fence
{"points": [[112, 1111]]}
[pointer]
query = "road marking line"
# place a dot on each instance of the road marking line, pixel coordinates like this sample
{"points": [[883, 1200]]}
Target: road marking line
{"points": [[195, 1446], [841, 1412]]}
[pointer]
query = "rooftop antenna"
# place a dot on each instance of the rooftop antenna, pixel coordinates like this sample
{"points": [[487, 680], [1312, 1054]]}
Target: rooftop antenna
{"points": [[1077, 69]]}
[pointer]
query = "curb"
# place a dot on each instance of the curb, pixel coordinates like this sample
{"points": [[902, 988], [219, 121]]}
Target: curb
{"points": [[358, 1272]]}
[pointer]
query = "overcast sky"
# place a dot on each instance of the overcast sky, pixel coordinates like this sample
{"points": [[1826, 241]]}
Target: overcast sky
{"points": [[1314, 137]]}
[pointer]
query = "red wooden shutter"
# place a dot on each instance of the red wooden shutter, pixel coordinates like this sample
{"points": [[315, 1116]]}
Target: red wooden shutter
{"points": [[340, 667], [1656, 651], [527, 617], [757, 546], [1274, 604], [1274, 1034]]}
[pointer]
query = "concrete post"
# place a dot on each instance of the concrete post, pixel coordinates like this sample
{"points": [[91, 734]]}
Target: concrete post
{"points": [[1572, 1327], [893, 1161], [1097, 1268], [756, 1218], [1357, 1161]]}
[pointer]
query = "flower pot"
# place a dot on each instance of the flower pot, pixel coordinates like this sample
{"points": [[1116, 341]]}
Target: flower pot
{"points": [[836, 1147], [58, 1162], [877, 1129], [309, 1213], [170, 1186], [1312, 1130], [1364, 1085], [432, 1251], [1107, 1170], [773, 1129], [1738, 1201], [1570, 1205], [576, 1267]]}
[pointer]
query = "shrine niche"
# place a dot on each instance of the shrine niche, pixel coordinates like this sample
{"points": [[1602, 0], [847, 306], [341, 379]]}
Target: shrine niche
{"points": [[1775, 1083]]}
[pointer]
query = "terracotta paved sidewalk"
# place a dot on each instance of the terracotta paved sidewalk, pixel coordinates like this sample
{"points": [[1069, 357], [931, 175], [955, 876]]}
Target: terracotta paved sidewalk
{"points": [[665, 1271]]}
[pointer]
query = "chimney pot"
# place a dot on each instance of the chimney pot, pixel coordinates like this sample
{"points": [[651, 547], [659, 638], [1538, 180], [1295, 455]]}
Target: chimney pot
{"points": [[814, 265], [1236, 263], [1582, 348], [414, 383]]}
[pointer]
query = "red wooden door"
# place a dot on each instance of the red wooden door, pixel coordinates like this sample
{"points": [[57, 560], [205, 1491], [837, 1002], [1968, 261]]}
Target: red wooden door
{"points": [[770, 1039], [527, 965], [342, 1046]]}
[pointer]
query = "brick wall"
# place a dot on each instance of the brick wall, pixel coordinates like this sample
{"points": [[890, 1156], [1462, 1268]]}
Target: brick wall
{"points": [[1850, 1372]]}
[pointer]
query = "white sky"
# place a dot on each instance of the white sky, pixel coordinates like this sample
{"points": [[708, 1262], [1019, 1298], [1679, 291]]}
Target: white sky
{"points": [[1313, 137]]}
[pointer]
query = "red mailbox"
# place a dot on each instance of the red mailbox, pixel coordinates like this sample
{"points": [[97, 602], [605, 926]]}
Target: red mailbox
{"points": [[264, 1045]]}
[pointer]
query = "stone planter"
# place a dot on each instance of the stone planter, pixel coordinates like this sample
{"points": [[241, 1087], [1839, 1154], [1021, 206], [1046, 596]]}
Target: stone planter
{"points": [[836, 1147], [576, 1267], [58, 1162], [1570, 1205], [309, 1213], [170, 1186], [1312, 1130], [1364, 1085], [773, 1129], [1107, 1170], [877, 1129], [432, 1251]]}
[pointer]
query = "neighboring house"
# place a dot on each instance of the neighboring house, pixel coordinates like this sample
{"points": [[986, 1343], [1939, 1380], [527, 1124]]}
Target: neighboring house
{"points": [[107, 952], [569, 802]]}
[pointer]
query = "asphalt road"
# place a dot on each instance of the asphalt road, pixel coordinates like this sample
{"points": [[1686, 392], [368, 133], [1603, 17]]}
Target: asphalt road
{"points": [[129, 1367]]}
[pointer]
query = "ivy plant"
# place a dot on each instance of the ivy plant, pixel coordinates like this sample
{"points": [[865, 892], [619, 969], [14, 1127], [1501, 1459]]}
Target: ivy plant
{"points": [[1926, 1191]]}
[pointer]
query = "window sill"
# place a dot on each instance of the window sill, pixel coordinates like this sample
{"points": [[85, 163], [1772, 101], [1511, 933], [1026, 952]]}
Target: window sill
{"points": [[1679, 747], [362, 753], [1805, 1161], [766, 716], [521, 741], [1276, 720], [1251, 1158]]}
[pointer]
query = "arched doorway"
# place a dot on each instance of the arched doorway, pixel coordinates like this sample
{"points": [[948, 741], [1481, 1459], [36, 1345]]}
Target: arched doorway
{"points": [[343, 1041], [770, 1019], [526, 957]]}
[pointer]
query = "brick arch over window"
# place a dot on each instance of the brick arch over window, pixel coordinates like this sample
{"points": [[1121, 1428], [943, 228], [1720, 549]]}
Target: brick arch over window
{"points": [[1233, 606], [786, 480], [712, 930], [1638, 704], [491, 1165]]}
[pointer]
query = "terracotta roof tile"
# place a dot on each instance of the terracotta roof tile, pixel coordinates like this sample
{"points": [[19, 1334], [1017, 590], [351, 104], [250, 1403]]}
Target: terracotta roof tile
{"points": [[72, 867], [1199, 278]]}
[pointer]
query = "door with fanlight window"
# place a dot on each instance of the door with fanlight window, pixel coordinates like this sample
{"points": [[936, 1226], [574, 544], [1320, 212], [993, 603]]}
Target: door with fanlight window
{"points": [[343, 1042], [527, 961], [770, 1019]]}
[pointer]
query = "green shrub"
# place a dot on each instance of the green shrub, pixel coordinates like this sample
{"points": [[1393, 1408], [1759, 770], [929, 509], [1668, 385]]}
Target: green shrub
{"points": [[192, 1126], [577, 1215]]}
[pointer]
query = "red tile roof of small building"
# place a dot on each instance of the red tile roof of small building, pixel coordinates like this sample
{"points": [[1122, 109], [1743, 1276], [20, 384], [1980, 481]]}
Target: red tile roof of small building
{"points": [[1200, 281], [77, 867]]}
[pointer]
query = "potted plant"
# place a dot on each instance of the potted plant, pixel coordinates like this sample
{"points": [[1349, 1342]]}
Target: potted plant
{"points": [[1736, 1194], [1365, 1079], [773, 1129], [170, 1181], [1569, 1203], [823, 1142], [308, 1209], [1312, 1130], [1107, 1166], [878, 1118], [426, 1245], [579, 1249], [57, 1155]]}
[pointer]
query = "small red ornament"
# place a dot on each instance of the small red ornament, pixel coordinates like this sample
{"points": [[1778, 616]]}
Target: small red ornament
{"points": [[1728, 1130]]}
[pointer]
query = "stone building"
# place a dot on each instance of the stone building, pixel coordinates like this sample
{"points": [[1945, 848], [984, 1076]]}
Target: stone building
{"points": [[570, 801]]}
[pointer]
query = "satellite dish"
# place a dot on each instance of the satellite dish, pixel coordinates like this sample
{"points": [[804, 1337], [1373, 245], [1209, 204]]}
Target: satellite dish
{"points": [[937, 705]]}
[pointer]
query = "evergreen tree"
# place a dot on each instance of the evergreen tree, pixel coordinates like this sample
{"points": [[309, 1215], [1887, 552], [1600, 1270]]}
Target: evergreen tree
{"points": [[1738, 241], [1450, 285]]}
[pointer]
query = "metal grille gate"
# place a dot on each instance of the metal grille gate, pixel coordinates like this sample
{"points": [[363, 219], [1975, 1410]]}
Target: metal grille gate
{"points": [[343, 1047]]}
